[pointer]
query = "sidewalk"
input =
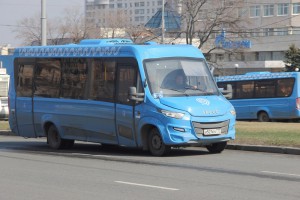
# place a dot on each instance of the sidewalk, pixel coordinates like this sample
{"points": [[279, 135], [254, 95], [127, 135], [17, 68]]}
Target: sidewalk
{"points": [[240, 147], [268, 149]]}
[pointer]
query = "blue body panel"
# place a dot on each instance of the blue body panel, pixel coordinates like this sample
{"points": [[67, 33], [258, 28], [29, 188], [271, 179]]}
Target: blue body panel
{"points": [[114, 123], [275, 107]]}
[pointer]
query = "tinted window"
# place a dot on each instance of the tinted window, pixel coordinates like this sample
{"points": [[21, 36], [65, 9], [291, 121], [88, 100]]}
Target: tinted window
{"points": [[244, 90], [265, 88], [23, 77], [127, 78], [285, 87], [47, 77], [102, 79], [74, 78]]}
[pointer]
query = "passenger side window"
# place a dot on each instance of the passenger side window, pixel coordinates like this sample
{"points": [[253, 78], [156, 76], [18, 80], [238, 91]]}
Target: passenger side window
{"points": [[74, 78], [244, 90], [102, 79], [127, 77], [24, 77], [265, 89], [47, 78]]}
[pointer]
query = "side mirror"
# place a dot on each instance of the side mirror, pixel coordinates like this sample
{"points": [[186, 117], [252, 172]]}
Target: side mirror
{"points": [[133, 96], [228, 92]]}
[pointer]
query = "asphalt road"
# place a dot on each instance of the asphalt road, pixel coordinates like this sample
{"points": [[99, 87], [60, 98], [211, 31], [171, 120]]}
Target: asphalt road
{"points": [[30, 170]]}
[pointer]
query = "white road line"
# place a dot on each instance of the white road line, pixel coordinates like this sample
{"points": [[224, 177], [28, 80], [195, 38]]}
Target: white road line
{"points": [[280, 173], [150, 186]]}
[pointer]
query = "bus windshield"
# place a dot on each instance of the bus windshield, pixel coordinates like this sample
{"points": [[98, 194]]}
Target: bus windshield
{"points": [[179, 77]]}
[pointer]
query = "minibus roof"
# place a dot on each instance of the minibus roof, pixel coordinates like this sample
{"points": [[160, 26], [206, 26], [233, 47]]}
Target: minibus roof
{"points": [[110, 48]]}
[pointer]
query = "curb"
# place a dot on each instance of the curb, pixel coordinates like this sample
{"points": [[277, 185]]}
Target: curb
{"points": [[267, 149], [6, 132], [240, 147]]}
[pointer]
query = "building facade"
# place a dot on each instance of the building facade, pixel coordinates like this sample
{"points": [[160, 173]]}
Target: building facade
{"points": [[108, 13], [271, 26]]}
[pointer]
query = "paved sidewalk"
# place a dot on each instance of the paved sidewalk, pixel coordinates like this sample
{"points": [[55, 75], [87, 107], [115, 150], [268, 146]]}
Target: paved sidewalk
{"points": [[268, 149], [241, 147]]}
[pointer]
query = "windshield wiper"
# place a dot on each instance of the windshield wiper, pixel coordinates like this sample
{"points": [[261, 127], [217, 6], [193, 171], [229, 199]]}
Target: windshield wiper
{"points": [[178, 90]]}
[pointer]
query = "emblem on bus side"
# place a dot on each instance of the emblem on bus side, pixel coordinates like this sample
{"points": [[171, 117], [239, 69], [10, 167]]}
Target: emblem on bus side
{"points": [[203, 101]]}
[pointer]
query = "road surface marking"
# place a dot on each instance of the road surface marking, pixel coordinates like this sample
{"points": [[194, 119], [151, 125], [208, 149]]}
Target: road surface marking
{"points": [[150, 186], [280, 173]]}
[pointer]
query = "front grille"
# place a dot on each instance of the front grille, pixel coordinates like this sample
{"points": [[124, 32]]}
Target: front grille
{"points": [[200, 126]]}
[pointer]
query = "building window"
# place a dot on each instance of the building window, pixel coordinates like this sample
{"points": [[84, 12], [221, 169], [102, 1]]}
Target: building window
{"points": [[268, 31], [119, 5], [159, 3], [220, 57], [255, 11], [282, 31], [296, 8], [268, 10], [282, 9]]}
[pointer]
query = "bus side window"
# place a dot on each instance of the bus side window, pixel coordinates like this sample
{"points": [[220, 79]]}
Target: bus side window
{"points": [[24, 77], [285, 87], [127, 79]]}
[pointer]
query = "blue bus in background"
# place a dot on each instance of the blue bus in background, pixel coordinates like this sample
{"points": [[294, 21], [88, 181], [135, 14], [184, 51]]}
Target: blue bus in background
{"points": [[114, 92], [264, 96]]}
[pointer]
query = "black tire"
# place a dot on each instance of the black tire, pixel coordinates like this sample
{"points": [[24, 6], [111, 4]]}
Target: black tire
{"points": [[216, 147], [156, 144], [54, 139], [67, 144], [263, 117]]}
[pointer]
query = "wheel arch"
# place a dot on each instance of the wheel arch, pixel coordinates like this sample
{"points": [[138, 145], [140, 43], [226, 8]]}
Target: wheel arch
{"points": [[145, 126], [144, 135], [259, 112]]}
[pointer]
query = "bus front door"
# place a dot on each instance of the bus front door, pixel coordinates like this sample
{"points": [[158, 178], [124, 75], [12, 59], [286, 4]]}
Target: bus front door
{"points": [[24, 100], [126, 77]]}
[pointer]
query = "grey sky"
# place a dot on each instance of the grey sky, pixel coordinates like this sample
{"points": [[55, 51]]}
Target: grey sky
{"points": [[12, 11]]}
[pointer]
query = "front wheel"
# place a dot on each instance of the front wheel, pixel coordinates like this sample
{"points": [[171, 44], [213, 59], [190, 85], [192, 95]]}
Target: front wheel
{"points": [[216, 147], [156, 144]]}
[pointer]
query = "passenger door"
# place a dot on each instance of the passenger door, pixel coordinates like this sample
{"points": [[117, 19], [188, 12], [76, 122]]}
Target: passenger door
{"points": [[126, 77], [23, 100]]}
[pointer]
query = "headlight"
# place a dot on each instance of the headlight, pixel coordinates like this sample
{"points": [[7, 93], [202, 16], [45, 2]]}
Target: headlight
{"points": [[175, 115], [233, 112]]}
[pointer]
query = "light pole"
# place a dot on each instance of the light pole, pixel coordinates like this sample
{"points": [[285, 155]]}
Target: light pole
{"points": [[163, 22], [43, 23]]}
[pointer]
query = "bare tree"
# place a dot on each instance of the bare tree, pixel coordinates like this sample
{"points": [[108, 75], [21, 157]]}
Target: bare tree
{"points": [[69, 28], [202, 18], [29, 30]]}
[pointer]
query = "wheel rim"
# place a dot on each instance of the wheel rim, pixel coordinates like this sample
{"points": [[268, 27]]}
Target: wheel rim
{"points": [[156, 142]]}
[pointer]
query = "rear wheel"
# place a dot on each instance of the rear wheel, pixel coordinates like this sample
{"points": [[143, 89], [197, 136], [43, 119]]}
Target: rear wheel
{"points": [[263, 117], [55, 141], [156, 144], [216, 147]]}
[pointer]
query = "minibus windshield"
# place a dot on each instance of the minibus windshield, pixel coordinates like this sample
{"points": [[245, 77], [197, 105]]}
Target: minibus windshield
{"points": [[179, 77]]}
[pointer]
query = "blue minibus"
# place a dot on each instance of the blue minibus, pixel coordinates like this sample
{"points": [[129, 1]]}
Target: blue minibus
{"points": [[114, 92], [264, 96]]}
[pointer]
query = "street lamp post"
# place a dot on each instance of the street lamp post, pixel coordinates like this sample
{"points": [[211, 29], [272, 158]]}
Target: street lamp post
{"points": [[163, 22], [43, 23]]}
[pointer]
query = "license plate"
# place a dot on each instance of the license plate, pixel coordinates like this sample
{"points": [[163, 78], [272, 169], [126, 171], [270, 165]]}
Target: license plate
{"points": [[212, 132]]}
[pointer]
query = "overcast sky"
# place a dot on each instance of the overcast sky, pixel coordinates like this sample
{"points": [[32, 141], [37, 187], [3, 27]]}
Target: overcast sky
{"points": [[12, 11]]}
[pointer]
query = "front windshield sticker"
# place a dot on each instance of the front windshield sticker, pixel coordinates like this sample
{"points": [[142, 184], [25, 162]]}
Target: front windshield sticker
{"points": [[203, 101], [158, 95]]}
